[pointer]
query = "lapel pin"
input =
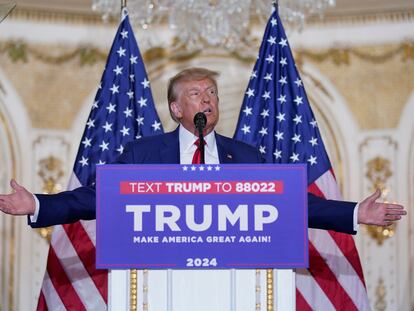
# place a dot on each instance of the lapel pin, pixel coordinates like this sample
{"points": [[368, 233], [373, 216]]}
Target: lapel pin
{"points": [[229, 156]]}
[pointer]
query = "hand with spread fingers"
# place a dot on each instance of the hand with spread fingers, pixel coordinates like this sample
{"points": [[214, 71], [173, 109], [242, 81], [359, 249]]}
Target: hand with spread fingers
{"points": [[21, 202], [371, 212]]}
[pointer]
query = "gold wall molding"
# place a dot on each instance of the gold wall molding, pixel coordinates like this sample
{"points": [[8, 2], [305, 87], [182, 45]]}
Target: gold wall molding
{"points": [[20, 51], [378, 173]]}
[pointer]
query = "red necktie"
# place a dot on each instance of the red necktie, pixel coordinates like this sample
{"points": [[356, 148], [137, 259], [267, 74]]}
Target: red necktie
{"points": [[197, 153]]}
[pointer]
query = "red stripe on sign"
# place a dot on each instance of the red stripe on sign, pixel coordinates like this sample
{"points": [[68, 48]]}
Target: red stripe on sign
{"points": [[87, 254], [41, 303], [301, 303], [328, 281], [62, 283]]}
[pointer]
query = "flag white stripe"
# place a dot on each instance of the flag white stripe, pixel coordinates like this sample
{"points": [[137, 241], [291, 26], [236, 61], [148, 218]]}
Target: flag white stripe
{"points": [[76, 272], [340, 267], [311, 291], [52, 298], [333, 255]]}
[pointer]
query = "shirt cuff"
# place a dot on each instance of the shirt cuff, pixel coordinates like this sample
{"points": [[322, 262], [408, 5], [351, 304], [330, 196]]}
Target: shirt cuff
{"points": [[356, 225], [33, 218]]}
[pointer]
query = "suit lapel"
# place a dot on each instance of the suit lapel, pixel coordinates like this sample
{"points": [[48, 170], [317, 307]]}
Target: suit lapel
{"points": [[170, 154], [225, 155]]}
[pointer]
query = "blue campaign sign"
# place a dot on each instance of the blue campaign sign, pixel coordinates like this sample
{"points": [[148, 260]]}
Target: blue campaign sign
{"points": [[201, 216]]}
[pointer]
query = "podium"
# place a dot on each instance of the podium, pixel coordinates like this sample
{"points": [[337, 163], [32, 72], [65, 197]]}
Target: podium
{"points": [[222, 237]]}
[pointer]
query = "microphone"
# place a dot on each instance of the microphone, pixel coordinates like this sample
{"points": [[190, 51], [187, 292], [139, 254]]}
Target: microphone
{"points": [[200, 121]]}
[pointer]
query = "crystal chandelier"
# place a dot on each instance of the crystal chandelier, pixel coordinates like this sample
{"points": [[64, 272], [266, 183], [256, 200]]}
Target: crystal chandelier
{"points": [[217, 23]]}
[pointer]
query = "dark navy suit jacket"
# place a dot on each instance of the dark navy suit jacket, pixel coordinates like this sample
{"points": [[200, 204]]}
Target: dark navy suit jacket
{"points": [[70, 206]]}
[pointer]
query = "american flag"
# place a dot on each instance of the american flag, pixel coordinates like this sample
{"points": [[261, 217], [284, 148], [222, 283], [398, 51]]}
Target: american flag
{"points": [[277, 118], [123, 110]]}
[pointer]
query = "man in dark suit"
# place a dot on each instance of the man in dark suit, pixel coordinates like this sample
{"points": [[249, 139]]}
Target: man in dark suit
{"points": [[189, 92]]}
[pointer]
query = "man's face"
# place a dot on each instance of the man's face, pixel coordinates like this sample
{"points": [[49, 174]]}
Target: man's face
{"points": [[193, 97]]}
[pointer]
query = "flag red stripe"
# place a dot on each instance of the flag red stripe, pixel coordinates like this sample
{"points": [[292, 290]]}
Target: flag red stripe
{"points": [[344, 241], [301, 303], [62, 283], [347, 245], [41, 303], [87, 253], [328, 281]]}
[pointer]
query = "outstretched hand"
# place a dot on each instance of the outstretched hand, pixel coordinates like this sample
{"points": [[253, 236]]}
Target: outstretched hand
{"points": [[21, 202], [371, 212]]}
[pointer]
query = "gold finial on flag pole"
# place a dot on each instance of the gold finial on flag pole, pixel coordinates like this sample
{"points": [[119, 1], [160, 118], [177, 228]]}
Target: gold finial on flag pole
{"points": [[123, 4]]}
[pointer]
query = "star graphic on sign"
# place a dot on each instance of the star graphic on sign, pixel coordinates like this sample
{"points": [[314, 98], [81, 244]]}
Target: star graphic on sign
{"points": [[111, 108], [128, 112], [121, 51], [217, 168], [145, 83], [273, 21], [140, 120], [125, 131], [280, 117], [245, 129], [313, 123], [262, 149], [133, 59], [282, 80], [270, 58], [250, 92], [296, 138], [114, 89], [298, 100], [263, 131], [209, 168], [95, 104], [104, 146], [277, 153], [268, 77], [265, 113], [247, 111], [120, 149], [282, 99], [84, 161], [294, 157], [283, 42], [87, 142], [107, 127], [124, 34], [130, 94], [201, 168], [142, 102], [297, 119], [266, 95], [283, 61], [313, 141], [90, 123], [272, 40], [118, 70], [156, 125], [185, 168], [312, 160], [253, 75], [193, 168], [279, 135], [298, 82]]}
